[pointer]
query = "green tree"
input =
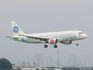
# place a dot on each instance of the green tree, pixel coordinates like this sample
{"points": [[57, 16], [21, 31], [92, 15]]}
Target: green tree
{"points": [[70, 68], [37, 69], [48, 69], [43, 69], [5, 64]]}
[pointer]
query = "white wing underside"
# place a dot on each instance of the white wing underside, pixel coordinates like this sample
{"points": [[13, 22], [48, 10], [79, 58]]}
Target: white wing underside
{"points": [[40, 38]]}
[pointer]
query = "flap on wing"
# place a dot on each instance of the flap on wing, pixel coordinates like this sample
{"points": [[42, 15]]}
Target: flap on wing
{"points": [[12, 37]]}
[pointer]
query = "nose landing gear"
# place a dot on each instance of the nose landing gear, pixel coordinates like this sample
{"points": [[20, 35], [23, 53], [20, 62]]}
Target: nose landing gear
{"points": [[77, 43]]}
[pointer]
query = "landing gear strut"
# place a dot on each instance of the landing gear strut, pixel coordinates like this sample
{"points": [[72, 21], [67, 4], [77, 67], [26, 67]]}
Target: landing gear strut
{"points": [[77, 43], [55, 46], [45, 46]]}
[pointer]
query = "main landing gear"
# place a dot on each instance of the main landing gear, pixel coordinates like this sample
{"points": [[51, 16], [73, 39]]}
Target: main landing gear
{"points": [[55, 46], [46, 46]]}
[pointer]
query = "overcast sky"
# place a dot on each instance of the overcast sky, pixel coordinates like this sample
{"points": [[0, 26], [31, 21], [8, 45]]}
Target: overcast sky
{"points": [[35, 16]]}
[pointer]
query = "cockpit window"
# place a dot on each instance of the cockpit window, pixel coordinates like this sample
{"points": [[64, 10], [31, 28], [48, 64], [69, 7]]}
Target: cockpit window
{"points": [[80, 33]]}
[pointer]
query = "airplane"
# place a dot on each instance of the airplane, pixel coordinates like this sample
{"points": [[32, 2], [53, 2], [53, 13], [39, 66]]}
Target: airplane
{"points": [[65, 37]]}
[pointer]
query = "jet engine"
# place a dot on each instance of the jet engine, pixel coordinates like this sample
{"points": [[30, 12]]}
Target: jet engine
{"points": [[67, 42], [52, 41]]}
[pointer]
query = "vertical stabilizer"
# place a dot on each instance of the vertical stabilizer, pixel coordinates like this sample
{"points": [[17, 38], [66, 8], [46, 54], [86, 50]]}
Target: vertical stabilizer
{"points": [[16, 29]]}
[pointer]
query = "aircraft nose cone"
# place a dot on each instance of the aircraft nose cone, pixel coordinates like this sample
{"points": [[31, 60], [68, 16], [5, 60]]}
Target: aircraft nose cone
{"points": [[85, 36]]}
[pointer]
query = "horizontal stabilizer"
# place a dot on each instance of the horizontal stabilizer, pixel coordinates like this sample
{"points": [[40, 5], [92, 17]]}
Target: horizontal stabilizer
{"points": [[12, 37]]}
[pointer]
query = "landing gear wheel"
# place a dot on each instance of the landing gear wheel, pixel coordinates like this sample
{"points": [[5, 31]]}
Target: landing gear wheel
{"points": [[55, 46], [77, 44], [45, 46]]}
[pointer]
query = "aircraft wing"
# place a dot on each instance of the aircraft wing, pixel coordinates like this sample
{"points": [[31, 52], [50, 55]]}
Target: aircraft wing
{"points": [[40, 38]]}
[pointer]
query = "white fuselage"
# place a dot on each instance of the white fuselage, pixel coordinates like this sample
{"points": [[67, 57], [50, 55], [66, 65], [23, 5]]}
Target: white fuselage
{"points": [[61, 36], [65, 37]]}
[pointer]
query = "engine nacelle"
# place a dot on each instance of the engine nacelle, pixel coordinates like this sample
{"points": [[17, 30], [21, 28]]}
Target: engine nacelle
{"points": [[67, 42], [52, 41]]}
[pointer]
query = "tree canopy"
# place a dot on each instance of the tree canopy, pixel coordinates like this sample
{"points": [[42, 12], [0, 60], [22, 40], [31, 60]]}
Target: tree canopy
{"points": [[5, 64], [71, 68]]}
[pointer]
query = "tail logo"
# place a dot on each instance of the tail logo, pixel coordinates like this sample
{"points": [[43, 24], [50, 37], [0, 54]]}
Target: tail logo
{"points": [[15, 29]]}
